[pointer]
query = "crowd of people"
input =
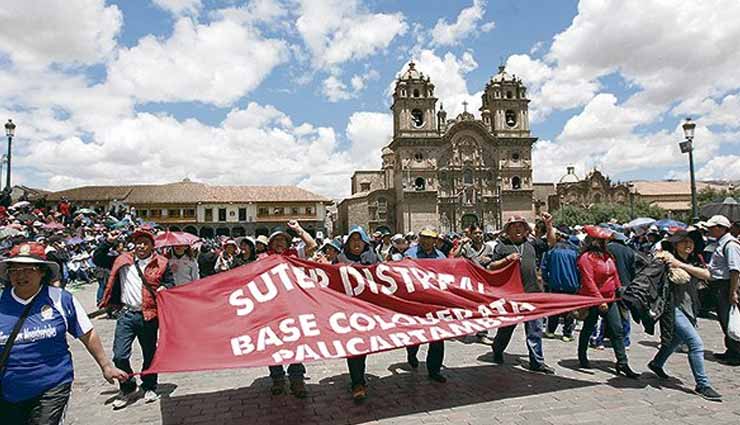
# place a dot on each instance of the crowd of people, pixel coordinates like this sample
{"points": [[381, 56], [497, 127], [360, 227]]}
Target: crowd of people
{"points": [[650, 275]]}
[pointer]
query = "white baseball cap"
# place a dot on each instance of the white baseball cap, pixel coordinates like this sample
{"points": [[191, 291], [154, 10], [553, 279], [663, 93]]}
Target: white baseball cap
{"points": [[719, 220]]}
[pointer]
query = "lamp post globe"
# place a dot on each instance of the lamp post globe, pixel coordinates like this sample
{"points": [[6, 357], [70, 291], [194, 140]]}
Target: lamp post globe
{"points": [[10, 132], [687, 146]]}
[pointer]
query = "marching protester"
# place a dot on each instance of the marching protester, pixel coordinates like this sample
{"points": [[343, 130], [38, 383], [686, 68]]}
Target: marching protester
{"points": [[279, 244], [247, 253], [400, 245], [183, 265], [435, 354], [36, 369], [329, 252], [358, 250], [560, 275], [134, 280], [724, 269], [686, 269], [260, 244], [227, 257], [599, 279], [514, 246], [624, 259], [207, 260], [473, 248], [385, 244]]}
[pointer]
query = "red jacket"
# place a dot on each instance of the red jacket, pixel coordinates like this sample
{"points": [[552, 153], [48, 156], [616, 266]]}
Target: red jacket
{"points": [[156, 274], [599, 277]]}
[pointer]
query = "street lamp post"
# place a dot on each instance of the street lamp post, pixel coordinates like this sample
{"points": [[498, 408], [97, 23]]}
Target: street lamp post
{"points": [[687, 146], [631, 188], [10, 132]]}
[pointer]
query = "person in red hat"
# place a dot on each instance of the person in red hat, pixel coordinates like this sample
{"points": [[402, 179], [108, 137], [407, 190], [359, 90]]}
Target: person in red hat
{"points": [[600, 279], [36, 369], [135, 278]]}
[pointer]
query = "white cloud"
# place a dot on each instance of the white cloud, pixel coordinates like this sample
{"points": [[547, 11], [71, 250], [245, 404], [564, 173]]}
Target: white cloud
{"points": [[335, 89], [216, 63], [255, 11], [337, 31], [35, 33], [180, 7], [726, 167], [466, 24], [368, 132]]}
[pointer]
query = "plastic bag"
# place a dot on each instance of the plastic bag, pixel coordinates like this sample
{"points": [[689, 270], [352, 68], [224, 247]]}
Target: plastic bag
{"points": [[733, 324]]}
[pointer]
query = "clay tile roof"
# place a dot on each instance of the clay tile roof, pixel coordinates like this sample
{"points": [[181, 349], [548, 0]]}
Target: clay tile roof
{"points": [[188, 192], [669, 187]]}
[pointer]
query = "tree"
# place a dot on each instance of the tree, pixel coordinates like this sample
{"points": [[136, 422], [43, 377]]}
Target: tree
{"points": [[571, 215]]}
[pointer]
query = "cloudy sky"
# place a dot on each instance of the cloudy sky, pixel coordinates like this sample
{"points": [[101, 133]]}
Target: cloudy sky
{"points": [[297, 91]]}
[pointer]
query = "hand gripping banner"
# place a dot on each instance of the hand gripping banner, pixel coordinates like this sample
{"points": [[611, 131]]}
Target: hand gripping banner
{"points": [[282, 310]]}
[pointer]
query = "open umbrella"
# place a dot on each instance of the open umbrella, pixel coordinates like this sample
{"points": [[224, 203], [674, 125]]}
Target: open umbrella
{"points": [[640, 222], [53, 226], [9, 232], [74, 241], [26, 218], [21, 204], [86, 211], [667, 223], [728, 208], [174, 239]]}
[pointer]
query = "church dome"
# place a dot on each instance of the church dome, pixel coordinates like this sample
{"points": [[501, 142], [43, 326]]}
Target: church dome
{"points": [[412, 73], [570, 176], [386, 151], [501, 76]]}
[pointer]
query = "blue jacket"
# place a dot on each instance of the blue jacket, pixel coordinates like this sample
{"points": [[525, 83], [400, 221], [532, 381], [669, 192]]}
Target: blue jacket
{"points": [[559, 269]]}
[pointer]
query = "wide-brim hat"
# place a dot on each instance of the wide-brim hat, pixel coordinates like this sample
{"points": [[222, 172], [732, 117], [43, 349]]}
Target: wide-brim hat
{"points": [[28, 253], [262, 239], [429, 232], [517, 219], [333, 243], [278, 233], [719, 220]]}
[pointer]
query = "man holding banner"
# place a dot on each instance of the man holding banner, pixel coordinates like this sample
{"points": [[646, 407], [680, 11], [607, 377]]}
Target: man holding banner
{"points": [[435, 355], [515, 246]]}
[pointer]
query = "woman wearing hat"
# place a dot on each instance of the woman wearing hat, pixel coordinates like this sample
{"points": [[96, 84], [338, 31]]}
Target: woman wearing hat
{"points": [[599, 279], [36, 370], [226, 259], [686, 270], [247, 252]]}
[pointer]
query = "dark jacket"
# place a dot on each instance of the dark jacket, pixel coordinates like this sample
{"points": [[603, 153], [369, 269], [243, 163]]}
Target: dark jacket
{"points": [[649, 296], [624, 257]]}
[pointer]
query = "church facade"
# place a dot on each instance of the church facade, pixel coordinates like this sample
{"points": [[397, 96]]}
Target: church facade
{"points": [[448, 173]]}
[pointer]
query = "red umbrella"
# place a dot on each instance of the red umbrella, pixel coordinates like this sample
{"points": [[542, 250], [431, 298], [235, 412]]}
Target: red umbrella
{"points": [[53, 226], [174, 239]]}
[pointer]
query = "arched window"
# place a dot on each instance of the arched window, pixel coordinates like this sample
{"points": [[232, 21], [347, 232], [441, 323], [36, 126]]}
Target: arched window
{"points": [[416, 92], [417, 118], [515, 156], [516, 183], [468, 176], [420, 183], [510, 118], [418, 156], [509, 94]]}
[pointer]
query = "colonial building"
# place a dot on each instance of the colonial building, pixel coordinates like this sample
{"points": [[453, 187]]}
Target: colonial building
{"points": [[209, 210], [444, 172]]}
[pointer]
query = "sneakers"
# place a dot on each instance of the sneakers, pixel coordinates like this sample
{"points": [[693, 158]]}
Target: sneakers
{"points": [[359, 392], [542, 368], [658, 371], [708, 393], [567, 338], [150, 396], [549, 335], [484, 339], [122, 400], [298, 388]]}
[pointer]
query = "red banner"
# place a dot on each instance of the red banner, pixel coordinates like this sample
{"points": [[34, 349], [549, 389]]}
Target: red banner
{"points": [[283, 310]]}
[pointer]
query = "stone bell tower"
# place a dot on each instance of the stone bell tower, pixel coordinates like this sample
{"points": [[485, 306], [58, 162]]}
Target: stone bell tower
{"points": [[414, 104]]}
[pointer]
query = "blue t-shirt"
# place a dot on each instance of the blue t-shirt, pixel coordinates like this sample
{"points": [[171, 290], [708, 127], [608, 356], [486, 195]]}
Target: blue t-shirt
{"points": [[40, 358], [418, 253]]}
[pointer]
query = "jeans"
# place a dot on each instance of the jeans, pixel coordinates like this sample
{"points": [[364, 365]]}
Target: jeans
{"points": [[684, 332], [295, 372], [533, 330], [102, 281], [356, 366], [723, 313], [435, 355], [569, 324], [129, 326], [46, 408], [613, 324], [597, 338]]}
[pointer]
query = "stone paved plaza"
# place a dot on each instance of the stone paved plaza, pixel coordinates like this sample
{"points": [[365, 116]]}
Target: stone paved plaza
{"points": [[478, 392]]}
